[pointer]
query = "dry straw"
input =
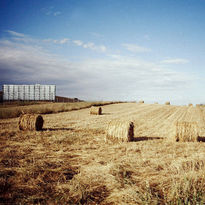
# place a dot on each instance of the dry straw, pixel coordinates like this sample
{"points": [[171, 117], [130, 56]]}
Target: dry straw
{"points": [[186, 131], [190, 105], [141, 101], [167, 103], [94, 110], [120, 131], [30, 122]]}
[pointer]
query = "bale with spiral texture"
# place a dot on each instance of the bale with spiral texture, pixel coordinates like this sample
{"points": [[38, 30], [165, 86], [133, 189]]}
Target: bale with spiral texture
{"points": [[31, 122], [120, 131]]}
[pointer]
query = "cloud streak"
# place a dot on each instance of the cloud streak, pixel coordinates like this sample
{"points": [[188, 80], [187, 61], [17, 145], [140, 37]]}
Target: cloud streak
{"points": [[78, 42], [55, 41], [57, 13], [51, 11], [26, 39], [175, 61], [136, 48], [13, 33], [90, 45]]}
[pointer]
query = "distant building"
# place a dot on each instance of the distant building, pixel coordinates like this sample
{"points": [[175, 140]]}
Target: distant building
{"points": [[35, 92], [65, 99]]}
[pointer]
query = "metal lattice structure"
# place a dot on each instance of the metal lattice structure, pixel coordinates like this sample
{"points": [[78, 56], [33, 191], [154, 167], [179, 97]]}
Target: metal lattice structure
{"points": [[35, 92]]}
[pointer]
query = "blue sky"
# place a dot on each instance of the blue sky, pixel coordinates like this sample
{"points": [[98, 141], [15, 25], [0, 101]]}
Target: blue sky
{"points": [[106, 50]]}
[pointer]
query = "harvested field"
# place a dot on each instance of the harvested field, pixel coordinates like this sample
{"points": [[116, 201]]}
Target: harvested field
{"points": [[68, 162], [12, 111]]}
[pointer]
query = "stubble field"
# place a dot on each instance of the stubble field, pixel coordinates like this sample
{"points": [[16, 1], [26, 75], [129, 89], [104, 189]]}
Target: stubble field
{"points": [[70, 163]]}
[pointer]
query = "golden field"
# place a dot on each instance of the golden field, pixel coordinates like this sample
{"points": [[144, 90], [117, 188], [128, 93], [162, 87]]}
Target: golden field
{"points": [[15, 110], [69, 162]]}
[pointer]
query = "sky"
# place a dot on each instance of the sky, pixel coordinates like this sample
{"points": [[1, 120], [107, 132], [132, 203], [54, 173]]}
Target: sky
{"points": [[151, 50]]}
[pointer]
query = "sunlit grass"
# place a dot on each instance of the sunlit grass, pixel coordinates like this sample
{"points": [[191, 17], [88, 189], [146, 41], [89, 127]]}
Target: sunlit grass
{"points": [[47, 108]]}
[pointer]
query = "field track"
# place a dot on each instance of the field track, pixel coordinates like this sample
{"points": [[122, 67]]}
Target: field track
{"points": [[69, 162]]}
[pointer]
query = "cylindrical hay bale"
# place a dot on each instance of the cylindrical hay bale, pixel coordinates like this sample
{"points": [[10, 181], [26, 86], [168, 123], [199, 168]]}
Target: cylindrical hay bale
{"points": [[120, 131], [30, 122], [190, 105], [186, 131], [141, 101], [94, 110], [167, 103], [156, 103]]}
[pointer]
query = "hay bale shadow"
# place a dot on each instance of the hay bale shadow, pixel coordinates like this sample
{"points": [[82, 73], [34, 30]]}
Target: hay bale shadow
{"points": [[200, 139], [58, 129], [144, 138]]}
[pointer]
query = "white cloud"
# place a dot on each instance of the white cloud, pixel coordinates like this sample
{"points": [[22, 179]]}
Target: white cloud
{"points": [[63, 41], [175, 61], [90, 45], [135, 48], [78, 42], [57, 13], [51, 11], [102, 48], [55, 41], [26, 39], [13, 33], [48, 40], [116, 78]]}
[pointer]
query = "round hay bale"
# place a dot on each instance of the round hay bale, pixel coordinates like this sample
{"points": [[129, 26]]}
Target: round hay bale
{"points": [[31, 122], [120, 131], [186, 132], [190, 105], [167, 103], [94, 110], [156, 103], [141, 101]]}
